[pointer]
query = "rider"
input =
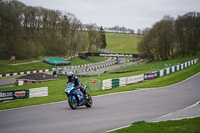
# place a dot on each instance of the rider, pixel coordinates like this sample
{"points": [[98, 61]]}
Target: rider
{"points": [[76, 81]]}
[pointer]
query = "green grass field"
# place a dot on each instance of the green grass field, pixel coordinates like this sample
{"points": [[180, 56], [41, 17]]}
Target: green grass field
{"points": [[122, 43], [178, 126]]}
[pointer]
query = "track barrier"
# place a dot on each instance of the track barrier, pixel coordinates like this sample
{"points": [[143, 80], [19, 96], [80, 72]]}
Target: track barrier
{"points": [[21, 94], [118, 82]]}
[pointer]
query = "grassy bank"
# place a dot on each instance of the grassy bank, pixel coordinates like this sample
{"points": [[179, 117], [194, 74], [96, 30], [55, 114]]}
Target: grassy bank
{"points": [[122, 43], [178, 126]]}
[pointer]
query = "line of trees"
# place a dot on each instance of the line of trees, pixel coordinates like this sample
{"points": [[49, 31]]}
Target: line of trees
{"points": [[27, 32], [172, 37], [124, 30], [118, 29]]}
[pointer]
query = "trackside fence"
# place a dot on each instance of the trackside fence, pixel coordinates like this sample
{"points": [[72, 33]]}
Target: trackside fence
{"points": [[118, 82]]}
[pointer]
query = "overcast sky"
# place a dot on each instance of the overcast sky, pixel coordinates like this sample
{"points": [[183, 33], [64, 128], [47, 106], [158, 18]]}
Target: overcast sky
{"points": [[132, 14]]}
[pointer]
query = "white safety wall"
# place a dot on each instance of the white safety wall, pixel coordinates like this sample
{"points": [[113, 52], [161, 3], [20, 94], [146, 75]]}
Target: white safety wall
{"points": [[38, 92], [107, 84], [122, 81]]}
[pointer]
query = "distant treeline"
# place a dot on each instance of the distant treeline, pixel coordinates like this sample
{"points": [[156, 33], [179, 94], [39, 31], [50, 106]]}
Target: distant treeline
{"points": [[172, 37], [118, 29], [27, 32]]}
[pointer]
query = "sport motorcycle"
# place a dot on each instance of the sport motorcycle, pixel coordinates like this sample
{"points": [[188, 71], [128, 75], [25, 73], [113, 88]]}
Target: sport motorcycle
{"points": [[76, 97]]}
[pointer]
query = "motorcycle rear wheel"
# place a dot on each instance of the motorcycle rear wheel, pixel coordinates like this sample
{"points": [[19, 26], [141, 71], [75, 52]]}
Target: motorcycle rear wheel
{"points": [[72, 102]]}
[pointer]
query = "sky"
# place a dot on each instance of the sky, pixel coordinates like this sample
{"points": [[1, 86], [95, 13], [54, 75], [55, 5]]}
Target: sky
{"points": [[133, 14]]}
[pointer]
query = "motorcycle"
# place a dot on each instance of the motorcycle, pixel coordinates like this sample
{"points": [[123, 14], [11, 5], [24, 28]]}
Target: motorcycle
{"points": [[76, 97]]}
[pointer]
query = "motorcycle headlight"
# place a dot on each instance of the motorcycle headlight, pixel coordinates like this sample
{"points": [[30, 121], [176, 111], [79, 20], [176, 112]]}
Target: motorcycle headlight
{"points": [[68, 90]]}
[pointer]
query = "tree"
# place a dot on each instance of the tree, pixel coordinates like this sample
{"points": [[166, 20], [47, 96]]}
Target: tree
{"points": [[139, 31], [188, 33], [170, 37], [28, 32], [103, 38], [93, 34]]}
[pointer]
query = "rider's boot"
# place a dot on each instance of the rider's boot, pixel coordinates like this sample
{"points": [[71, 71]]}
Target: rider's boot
{"points": [[84, 93]]}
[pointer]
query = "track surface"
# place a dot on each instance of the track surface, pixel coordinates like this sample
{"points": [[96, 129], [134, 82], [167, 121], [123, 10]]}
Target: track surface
{"points": [[108, 111]]}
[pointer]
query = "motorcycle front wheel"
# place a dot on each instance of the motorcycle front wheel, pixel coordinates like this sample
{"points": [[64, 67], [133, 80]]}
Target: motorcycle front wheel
{"points": [[72, 102], [88, 102]]}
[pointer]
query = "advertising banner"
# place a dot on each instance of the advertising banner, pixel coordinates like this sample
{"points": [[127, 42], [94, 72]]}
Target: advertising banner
{"points": [[111, 55], [134, 79], [11, 95], [149, 76], [20, 94], [7, 95]]}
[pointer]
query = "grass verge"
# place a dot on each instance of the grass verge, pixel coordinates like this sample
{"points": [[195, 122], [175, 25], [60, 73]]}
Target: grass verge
{"points": [[178, 126], [56, 88]]}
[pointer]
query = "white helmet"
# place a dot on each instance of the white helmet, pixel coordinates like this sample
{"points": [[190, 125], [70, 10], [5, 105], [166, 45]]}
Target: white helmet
{"points": [[70, 73]]}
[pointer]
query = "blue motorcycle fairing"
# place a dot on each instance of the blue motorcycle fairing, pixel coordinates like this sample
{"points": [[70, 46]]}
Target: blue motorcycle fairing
{"points": [[76, 93], [73, 97], [69, 88], [84, 87]]}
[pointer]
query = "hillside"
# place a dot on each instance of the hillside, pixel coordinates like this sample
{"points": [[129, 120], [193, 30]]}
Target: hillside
{"points": [[122, 43]]}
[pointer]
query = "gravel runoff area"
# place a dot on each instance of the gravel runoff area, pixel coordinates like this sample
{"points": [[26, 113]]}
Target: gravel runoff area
{"points": [[189, 112]]}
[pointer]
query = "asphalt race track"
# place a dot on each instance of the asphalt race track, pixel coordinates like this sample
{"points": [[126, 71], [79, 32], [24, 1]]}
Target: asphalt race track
{"points": [[108, 111]]}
